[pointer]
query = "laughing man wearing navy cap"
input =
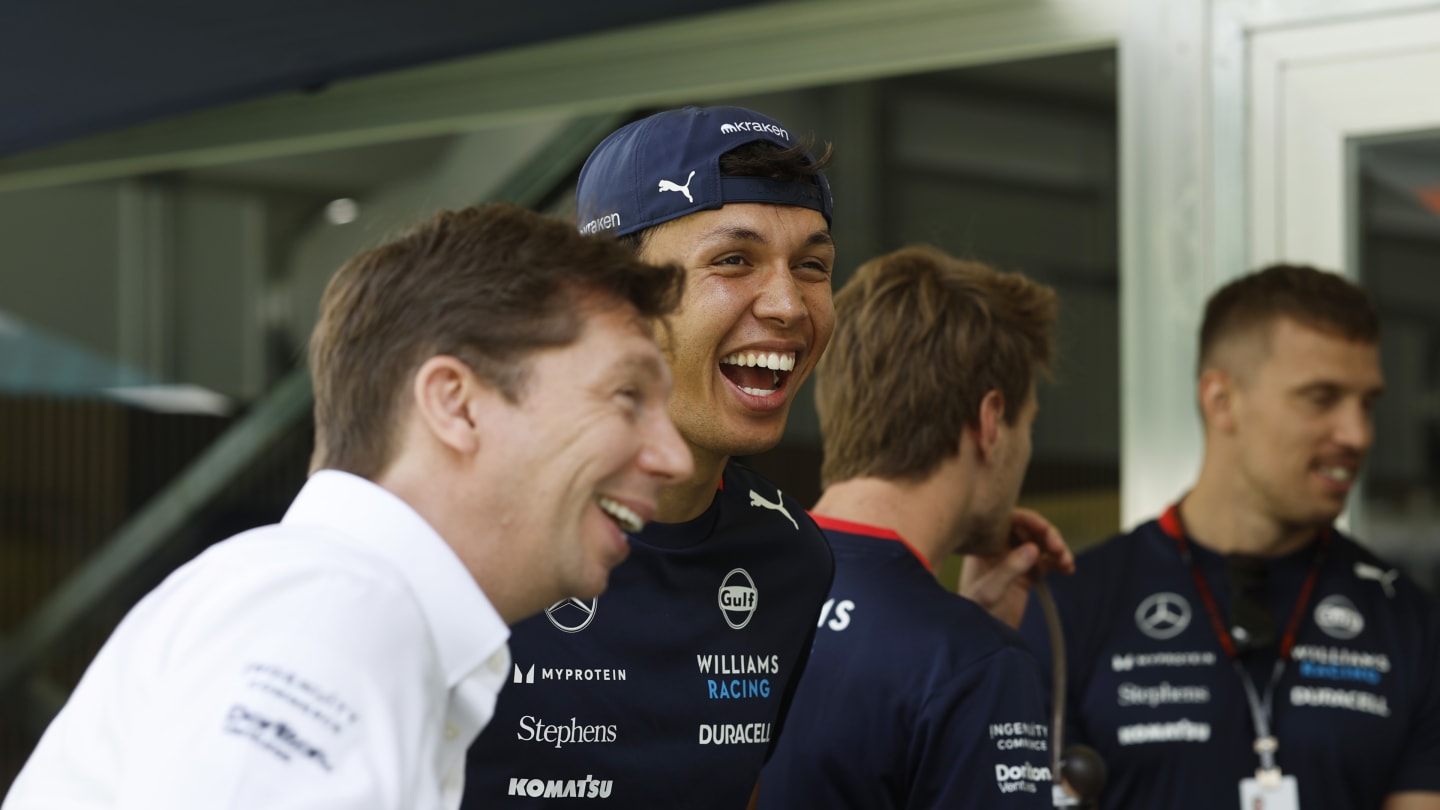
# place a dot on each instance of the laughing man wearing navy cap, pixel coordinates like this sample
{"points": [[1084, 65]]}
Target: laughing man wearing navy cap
{"points": [[669, 690]]}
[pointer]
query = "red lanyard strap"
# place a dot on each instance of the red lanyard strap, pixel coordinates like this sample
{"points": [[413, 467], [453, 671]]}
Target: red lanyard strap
{"points": [[1172, 525], [1261, 708]]}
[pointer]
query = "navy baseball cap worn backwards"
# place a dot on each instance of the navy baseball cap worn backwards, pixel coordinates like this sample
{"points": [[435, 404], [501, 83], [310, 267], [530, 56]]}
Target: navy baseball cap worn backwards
{"points": [[668, 166]]}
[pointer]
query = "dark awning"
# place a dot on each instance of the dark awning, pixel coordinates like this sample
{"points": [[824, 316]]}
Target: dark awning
{"points": [[70, 68]]}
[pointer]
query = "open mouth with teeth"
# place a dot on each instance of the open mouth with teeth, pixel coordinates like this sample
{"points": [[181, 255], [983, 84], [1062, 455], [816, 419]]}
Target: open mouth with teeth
{"points": [[1336, 475], [758, 374], [623, 515], [1340, 475]]}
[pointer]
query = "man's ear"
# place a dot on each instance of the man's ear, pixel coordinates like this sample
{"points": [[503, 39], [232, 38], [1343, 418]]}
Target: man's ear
{"points": [[991, 418], [1216, 391], [448, 399]]}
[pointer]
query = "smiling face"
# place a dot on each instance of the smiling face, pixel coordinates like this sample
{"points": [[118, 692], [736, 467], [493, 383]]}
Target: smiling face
{"points": [[755, 318], [584, 452], [1299, 421]]}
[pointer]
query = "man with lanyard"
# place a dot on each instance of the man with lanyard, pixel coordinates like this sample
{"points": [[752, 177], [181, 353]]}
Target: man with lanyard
{"points": [[943, 706], [1240, 648]]}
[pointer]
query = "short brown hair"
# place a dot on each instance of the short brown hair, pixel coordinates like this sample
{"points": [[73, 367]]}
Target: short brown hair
{"points": [[920, 339], [488, 285], [1314, 298]]}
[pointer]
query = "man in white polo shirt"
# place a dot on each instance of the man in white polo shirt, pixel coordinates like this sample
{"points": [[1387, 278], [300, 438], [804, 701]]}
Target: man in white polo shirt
{"points": [[490, 410]]}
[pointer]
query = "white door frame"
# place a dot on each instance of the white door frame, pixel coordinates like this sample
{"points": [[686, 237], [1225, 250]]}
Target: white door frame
{"points": [[1319, 93], [1211, 91]]}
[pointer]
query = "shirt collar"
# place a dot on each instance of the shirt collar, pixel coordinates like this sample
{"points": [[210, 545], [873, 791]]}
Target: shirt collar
{"points": [[831, 524], [466, 627]]}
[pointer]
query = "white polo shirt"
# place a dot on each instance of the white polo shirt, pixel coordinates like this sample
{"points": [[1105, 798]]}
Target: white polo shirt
{"points": [[342, 658]]}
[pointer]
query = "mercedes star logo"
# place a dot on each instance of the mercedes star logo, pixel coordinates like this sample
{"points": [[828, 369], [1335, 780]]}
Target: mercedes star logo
{"points": [[1163, 615], [572, 615]]}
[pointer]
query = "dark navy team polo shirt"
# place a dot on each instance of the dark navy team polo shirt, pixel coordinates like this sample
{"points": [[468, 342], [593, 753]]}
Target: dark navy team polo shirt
{"points": [[914, 697], [667, 690], [1356, 711]]}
